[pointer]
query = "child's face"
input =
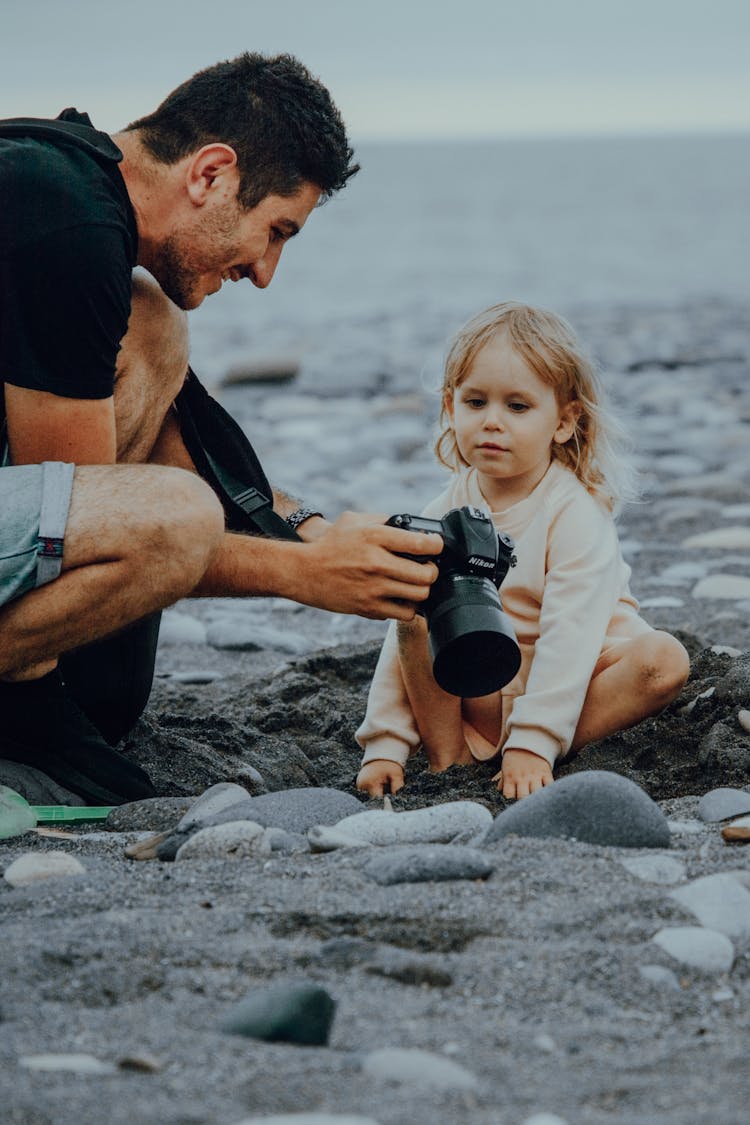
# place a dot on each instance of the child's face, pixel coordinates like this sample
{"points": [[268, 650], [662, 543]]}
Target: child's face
{"points": [[505, 420]]}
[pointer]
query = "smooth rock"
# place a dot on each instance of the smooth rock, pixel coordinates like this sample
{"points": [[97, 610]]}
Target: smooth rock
{"points": [[733, 587], [655, 868], [726, 650], [595, 807], [418, 1068], [545, 1119], [283, 1013], [197, 676], [286, 843], [722, 994], [237, 839], [659, 975], [738, 831], [434, 863], [178, 628], [294, 810], [74, 1063], [723, 804], [719, 902], [16, 817], [455, 821], [721, 538], [743, 718], [262, 369], [212, 801], [664, 602], [698, 947], [33, 867], [247, 636]]}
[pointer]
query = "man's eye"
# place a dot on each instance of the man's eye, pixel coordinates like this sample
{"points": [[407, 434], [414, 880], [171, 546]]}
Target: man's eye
{"points": [[277, 235]]}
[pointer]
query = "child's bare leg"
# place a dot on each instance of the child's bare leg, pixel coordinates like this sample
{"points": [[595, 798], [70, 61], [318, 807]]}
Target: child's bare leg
{"points": [[437, 714], [644, 676]]}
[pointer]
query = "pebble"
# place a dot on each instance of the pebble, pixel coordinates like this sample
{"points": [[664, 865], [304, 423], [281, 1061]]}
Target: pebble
{"points": [[655, 868], [719, 902], [664, 602], [686, 827], [698, 947], [33, 867], [733, 587], [726, 650], [658, 974], [743, 718], [309, 1119], [247, 636], [74, 1064], [237, 839], [181, 629], [195, 676], [738, 830], [418, 1068], [455, 821], [545, 1042], [544, 1119], [723, 804], [286, 843], [212, 801], [284, 1013], [722, 994], [435, 863], [596, 807], [721, 538]]}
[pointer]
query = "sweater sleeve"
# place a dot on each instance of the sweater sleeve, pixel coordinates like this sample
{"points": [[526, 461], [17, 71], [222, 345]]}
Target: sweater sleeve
{"points": [[388, 729], [580, 593]]}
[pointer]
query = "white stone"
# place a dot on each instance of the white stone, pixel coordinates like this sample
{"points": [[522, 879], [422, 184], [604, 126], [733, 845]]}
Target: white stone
{"points": [[686, 827], [545, 1119], [655, 868], [736, 512], [456, 821], [75, 1064], [726, 650], [236, 839], [665, 602], [658, 974], [212, 801], [545, 1042], [420, 1068], [732, 587], [698, 947], [719, 902], [722, 994], [743, 718], [723, 538], [179, 628], [33, 867], [684, 571]]}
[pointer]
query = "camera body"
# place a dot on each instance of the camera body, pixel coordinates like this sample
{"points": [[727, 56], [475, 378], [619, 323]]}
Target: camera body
{"points": [[472, 640]]}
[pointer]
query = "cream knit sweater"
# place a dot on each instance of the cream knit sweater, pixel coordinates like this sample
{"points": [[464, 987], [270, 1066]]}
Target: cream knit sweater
{"points": [[569, 601]]}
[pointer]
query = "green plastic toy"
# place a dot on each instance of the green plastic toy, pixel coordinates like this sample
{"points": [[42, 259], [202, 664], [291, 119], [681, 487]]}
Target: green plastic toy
{"points": [[18, 816]]}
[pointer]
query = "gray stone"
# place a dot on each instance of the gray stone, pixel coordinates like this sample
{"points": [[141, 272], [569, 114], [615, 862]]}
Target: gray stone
{"points": [[719, 902], [596, 807], [284, 1013], [345, 952], [418, 1068], [698, 947], [248, 636], [655, 868], [214, 800], [237, 839], [409, 968], [731, 587], [434, 863], [309, 1119], [33, 867], [455, 821], [721, 538], [294, 810], [545, 1119], [686, 828], [723, 804], [151, 815], [286, 843], [659, 975], [196, 676], [73, 1064]]}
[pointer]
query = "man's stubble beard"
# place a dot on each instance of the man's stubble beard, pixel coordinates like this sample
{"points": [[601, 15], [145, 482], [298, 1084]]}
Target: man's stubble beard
{"points": [[179, 263]]}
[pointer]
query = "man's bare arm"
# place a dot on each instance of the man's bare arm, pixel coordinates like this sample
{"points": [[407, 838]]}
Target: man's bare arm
{"points": [[47, 427]]}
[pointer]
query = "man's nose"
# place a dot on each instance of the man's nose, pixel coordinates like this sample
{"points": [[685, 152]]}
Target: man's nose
{"points": [[264, 268]]}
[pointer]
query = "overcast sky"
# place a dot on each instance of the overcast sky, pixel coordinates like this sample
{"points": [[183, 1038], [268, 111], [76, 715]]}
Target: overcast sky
{"points": [[402, 68]]}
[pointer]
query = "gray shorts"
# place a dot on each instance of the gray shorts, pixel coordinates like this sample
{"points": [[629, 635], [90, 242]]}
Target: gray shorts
{"points": [[34, 503]]}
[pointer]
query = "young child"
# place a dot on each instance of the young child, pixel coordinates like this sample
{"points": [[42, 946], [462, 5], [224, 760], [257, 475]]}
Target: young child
{"points": [[529, 440]]}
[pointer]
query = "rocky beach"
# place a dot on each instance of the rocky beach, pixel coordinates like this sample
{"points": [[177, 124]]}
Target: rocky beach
{"points": [[584, 960]]}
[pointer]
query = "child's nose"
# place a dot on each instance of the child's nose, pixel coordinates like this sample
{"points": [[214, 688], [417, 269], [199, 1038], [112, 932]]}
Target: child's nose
{"points": [[494, 418]]}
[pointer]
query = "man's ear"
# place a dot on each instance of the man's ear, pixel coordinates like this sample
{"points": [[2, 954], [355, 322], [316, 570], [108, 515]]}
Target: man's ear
{"points": [[210, 170], [569, 415]]}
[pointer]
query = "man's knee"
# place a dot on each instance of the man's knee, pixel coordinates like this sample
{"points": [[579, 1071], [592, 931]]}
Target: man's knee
{"points": [[192, 521]]}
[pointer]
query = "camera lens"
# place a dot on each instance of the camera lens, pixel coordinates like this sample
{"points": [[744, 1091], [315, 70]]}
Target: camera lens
{"points": [[472, 640]]}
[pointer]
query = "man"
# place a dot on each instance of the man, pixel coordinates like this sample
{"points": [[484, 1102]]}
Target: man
{"points": [[207, 189]]}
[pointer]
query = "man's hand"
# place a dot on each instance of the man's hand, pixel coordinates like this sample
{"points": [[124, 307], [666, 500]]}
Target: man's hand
{"points": [[380, 777], [522, 773], [355, 568]]}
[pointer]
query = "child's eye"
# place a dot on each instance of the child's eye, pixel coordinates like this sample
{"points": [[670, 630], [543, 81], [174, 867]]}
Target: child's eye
{"points": [[475, 403], [518, 407]]}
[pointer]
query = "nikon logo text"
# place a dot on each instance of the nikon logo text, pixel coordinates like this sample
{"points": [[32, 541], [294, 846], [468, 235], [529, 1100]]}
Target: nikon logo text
{"points": [[476, 560]]}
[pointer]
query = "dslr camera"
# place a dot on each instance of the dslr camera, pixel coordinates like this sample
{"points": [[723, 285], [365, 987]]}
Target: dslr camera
{"points": [[474, 648]]}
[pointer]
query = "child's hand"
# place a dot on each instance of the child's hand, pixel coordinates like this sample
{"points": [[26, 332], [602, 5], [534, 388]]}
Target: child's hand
{"points": [[380, 777], [522, 773]]}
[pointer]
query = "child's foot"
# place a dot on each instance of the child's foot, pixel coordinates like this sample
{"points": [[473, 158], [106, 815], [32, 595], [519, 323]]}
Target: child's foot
{"points": [[522, 774]]}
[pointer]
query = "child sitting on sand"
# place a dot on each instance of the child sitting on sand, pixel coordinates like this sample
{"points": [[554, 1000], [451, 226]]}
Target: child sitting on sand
{"points": [[530, 442]]}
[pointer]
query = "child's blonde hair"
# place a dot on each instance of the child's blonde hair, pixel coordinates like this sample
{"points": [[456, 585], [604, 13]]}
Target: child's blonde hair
{"points": [[548, 344]]}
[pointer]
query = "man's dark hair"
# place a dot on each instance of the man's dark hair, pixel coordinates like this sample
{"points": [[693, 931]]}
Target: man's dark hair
{"points": [[279, 119]]}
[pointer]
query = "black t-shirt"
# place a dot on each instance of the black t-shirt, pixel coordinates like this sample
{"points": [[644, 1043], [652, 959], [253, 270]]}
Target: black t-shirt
{"points": [[68, 243]]}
